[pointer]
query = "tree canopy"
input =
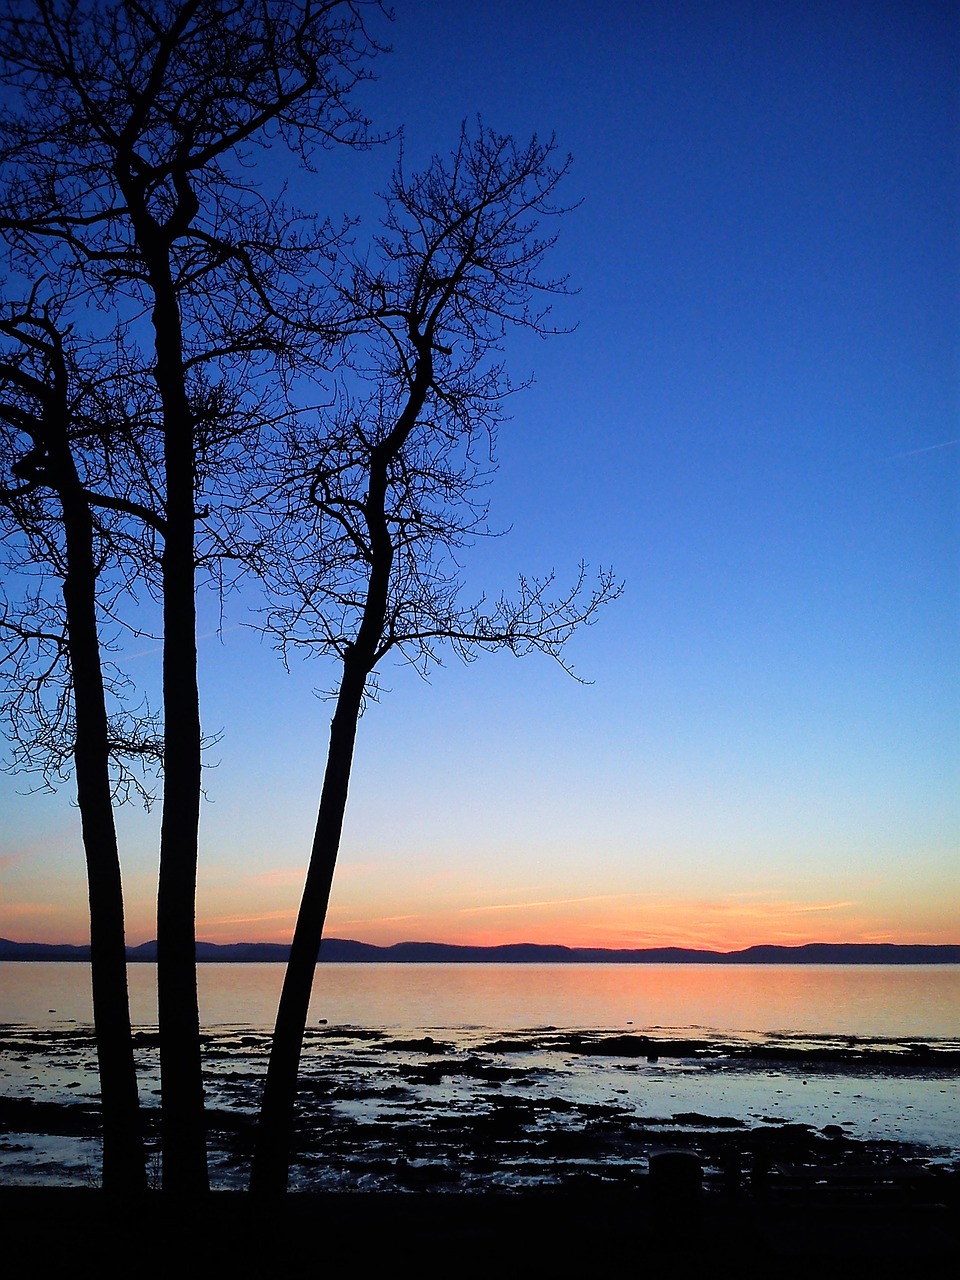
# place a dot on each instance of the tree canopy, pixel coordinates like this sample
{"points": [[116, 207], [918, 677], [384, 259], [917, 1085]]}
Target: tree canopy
{"points": [[197, 379]]}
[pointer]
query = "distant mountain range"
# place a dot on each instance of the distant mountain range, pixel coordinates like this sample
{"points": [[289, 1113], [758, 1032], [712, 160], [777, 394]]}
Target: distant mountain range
{"points": [[340, 951]]}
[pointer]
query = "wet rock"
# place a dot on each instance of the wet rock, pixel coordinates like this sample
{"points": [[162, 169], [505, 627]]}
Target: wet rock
{"points": [[639, 1047], [343, 1033], [426, 1044], [708, 1122], [67, 1119]]}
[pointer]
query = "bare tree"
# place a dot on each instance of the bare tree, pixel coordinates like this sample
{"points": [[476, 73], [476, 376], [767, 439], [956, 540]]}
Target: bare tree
{"points": [[52, 669], [126, 164], [380, 500]]}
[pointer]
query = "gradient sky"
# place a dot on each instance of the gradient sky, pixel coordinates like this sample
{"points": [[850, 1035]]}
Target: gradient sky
{"points": [[755, 422]]}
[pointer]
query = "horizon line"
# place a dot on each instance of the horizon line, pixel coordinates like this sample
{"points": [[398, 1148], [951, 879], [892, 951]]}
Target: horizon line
{"points": [[516, 946]]}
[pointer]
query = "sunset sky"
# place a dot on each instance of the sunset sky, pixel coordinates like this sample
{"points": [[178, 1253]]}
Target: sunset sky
{"points": [[755, 423]]}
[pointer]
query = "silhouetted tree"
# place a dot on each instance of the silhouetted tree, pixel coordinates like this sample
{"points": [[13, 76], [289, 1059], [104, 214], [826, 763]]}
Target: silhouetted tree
{"points": [[380, 499], [52, 670], [125, 160]]}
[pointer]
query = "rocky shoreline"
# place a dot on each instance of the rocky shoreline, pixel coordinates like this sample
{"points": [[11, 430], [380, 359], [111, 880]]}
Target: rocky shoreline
{"points": [[545, 1109], [539, 1151]]}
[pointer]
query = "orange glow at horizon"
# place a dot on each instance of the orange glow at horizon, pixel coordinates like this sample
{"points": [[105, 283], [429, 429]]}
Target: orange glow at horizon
{"points": [[595, 921], [264, 910], [697, 934]]}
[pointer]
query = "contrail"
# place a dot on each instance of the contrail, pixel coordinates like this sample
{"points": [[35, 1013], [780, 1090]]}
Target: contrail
{"points": [[206, 635], [912, 453]]}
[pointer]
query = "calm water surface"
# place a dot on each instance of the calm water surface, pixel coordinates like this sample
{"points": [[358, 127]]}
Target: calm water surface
{"points": [[394, 1083], [859, 1000]]}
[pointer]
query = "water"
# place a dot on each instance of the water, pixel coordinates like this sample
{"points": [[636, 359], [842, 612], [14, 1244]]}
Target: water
{"points": [[506, 1056], [892, 1001]]}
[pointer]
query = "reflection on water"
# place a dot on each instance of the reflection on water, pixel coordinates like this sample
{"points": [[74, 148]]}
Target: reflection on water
{"points": [[437, 1074], [860, 1000]]}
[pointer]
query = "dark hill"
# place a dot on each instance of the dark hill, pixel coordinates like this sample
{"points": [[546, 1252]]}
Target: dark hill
{"points": [[343, 950]]}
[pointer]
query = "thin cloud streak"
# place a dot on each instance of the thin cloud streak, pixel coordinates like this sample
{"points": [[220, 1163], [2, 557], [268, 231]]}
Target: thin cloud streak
{"points": [[775, 908], [548, 902], [215, 922], [797, 909], [373, 920], [286, 876]]}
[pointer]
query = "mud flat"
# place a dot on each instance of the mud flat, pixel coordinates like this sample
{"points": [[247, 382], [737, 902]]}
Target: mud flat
{"points": [[543, 1111]]}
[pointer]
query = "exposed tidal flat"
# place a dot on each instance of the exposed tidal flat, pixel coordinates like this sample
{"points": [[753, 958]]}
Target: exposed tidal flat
{"points": [[449, 1078]]}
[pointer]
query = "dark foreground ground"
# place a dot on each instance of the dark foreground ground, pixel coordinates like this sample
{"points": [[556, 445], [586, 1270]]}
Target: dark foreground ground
{"points": [[541, 1155], [841, 1232]]}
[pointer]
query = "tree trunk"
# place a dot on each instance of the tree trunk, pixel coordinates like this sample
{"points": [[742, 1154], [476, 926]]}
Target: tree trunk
{"points": [[181, 1078], [182, 1105], [275, 1130], [124, 1169]]}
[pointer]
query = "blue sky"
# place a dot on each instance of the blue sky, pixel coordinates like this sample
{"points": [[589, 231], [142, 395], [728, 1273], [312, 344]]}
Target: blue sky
{"points": [[755, 421]]}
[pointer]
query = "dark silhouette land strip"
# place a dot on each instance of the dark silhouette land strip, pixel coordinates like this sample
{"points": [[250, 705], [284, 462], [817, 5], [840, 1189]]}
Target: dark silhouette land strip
{"points": [[347, 951]]}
